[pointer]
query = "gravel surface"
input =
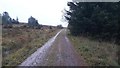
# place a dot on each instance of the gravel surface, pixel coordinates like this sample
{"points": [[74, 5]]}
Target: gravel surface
{"points": [[58, 51]]}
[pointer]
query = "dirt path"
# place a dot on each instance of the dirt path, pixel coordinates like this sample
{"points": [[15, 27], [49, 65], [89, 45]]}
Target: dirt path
{"points": [[58, 51]]}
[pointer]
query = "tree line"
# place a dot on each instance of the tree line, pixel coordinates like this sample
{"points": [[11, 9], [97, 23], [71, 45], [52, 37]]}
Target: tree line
{"points": [[7, 21], [99, 20]]}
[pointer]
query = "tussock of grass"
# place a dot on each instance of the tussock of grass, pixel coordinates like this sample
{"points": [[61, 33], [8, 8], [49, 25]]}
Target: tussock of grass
{"points": [[24, 42], [95, 53]]}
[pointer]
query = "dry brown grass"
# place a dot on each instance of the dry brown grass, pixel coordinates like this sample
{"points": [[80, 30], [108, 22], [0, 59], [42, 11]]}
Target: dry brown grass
{"points": [[19, 43]]}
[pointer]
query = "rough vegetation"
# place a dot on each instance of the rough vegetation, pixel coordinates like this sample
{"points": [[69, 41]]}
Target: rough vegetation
{"points": [[99, 21], [19, 43], [96, 53], [20, 40]]}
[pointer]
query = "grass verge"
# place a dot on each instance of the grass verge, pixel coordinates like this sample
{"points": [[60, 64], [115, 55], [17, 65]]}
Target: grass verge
{"points": [[20, 43], [95, 53]]}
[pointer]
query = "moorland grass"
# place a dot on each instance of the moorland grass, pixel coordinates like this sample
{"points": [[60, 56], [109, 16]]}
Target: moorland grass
{"points": [[20, 43], [94, 52]]}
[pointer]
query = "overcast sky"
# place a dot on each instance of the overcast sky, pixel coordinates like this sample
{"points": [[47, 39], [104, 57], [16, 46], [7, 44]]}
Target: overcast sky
{"points": [[47, 12]]}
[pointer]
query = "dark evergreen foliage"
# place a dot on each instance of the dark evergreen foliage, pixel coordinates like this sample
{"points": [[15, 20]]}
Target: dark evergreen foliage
{"points": [[32, 22], [7, 20], [60, 26], [96, 19]]}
